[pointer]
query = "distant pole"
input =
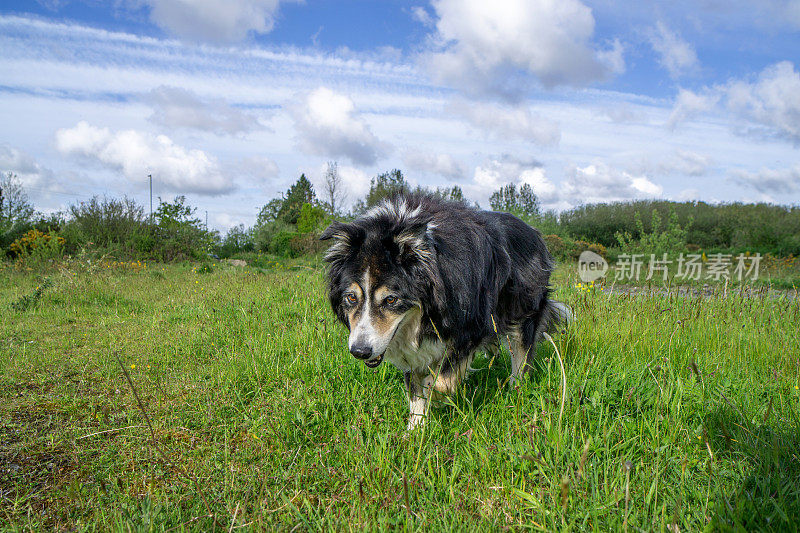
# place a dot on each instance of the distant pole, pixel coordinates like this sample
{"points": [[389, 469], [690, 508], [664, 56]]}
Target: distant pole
{"points": [[151, 196], [206, 218]]}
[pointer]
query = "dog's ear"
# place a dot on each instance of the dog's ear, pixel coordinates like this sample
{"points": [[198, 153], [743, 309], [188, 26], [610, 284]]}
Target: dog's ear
{"points": [[415, 242], [347, 237], [337, 230]]}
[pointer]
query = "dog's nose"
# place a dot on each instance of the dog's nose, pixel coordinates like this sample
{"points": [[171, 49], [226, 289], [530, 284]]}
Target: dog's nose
{"points": [[361, 351]]}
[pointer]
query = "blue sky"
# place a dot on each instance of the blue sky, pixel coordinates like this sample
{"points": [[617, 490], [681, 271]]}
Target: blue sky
{"points": [[228, 102]]}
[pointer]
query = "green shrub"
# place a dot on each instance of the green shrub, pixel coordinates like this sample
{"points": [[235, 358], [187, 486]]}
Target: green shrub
{"points": [[238, 239], [566, 249], [312, 219], [264, 234], [178, 234], [658, 240], [746, 227], [110, 222], [306, 244], [282, 244]]}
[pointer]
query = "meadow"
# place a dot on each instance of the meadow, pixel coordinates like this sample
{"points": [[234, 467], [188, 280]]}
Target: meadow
{"points": [[680, 413]]}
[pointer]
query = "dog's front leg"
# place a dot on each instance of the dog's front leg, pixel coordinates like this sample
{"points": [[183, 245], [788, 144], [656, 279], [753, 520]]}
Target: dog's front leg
{"points": [[419, 393]]}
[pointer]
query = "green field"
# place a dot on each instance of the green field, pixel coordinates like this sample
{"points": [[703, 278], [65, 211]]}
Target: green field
{"points": [[680, 414]]}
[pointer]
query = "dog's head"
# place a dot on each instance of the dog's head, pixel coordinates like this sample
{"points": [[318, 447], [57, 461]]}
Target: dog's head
{"points": [[380, 280]]}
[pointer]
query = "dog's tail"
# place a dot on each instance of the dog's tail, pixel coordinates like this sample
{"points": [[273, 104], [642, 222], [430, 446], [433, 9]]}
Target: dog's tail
{"points": [[559, 314]]}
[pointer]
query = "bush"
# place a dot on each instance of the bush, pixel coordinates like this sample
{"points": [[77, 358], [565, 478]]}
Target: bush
{"points": [[265, 234], [736, 226], [38, 249], [35, 240], [566, 249], [282, 244], [107, 223], [306, 244], [657, 241], [238, 240], [312, 219], [178, 235]]}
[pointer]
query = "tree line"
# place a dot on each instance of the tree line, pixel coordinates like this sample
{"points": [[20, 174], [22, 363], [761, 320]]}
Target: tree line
{"points": [[289, 224]]}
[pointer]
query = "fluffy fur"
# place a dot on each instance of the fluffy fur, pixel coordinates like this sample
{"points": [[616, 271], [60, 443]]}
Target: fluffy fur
{"points": [[424, 283]]}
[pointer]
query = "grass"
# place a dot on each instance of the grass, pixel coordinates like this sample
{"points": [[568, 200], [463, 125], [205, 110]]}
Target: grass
{"points": [[680, 413]]}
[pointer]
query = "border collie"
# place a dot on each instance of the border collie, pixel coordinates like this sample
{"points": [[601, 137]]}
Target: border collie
{"points": [[424, 283]]}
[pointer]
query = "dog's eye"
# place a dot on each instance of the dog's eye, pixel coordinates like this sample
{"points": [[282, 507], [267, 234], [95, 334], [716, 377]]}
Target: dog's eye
{"points": [[351, 299], [390, 300]]}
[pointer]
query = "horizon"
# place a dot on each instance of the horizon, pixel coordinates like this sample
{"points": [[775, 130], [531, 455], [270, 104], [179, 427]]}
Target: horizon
{"points": [[229, 103]]}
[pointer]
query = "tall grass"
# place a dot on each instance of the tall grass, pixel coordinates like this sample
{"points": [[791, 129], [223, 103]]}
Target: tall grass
{"points": [[678, 412]]}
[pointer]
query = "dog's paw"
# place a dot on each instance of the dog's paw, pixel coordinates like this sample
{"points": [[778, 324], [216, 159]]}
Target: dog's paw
{"points": [[415, 421]]}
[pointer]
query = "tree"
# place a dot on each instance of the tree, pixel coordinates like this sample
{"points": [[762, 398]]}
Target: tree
{"points": [[453, 193], [238, 239], [312, 218], [302, 192], [180, 234], [522, 203], [15, 208], [527, 202], [335, 194], [269, 213], [380, 187], [177, 212]]}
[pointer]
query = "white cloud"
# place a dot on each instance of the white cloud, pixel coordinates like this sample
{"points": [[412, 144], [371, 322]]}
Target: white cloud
{"points": [[687, 162], [259, 167], [596, 182], [620, 115], [676, 55], [214, 20], [328, 125], [356, 182], [687, 195], [768, 106], [499, 48], [682, 162], [420, 14], [500, 170], [772, 101], [27, 169], [138, 154], [766, 181], [544, 189], [435, 163], [509, 122], [174, 107], [689, 104], [599, 182]]}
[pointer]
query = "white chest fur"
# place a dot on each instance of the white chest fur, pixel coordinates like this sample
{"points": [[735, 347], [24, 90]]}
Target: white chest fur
{"points": [[407, 356]]}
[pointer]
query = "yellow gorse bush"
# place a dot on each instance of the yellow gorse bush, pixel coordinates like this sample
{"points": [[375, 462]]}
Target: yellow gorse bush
{"points": [[32, 240]]}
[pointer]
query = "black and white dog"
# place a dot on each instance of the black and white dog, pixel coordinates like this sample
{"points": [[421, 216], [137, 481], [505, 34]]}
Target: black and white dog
{"points": [[424, 283]]}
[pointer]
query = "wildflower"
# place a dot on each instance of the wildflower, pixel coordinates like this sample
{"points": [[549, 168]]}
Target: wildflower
{"points": [[133, 366]]}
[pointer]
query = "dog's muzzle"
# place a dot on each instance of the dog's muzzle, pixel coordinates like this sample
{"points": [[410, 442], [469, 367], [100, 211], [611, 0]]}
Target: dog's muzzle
{"points": [[365, 354], [374, 361]]}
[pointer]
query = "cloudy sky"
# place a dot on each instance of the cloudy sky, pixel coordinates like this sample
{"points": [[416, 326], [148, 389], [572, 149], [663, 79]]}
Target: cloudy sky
{"points": [[229, 101]]}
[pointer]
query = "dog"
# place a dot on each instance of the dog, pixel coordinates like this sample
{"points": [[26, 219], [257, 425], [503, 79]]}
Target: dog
{"points": [[424, 283]]}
